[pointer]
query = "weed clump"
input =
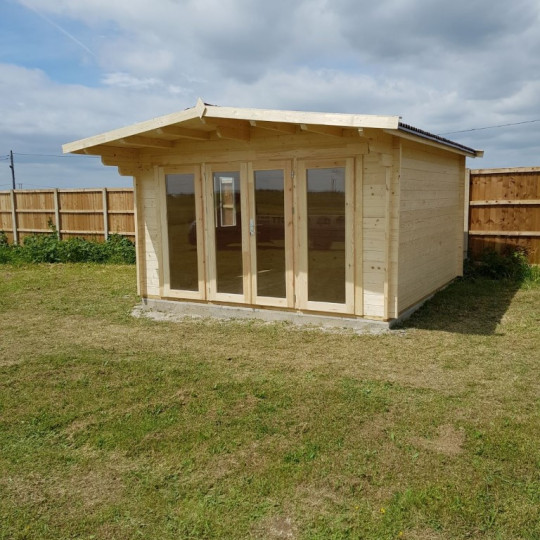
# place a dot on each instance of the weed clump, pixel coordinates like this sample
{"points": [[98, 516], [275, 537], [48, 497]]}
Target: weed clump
{"points": [[48, 248], [510, 264]]}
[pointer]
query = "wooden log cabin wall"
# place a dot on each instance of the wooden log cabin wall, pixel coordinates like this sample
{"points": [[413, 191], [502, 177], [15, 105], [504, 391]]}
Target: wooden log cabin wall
{"points": [[352, 216]]}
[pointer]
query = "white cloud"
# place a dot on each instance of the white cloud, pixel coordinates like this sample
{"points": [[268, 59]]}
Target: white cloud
{"points": [[442, 66]]}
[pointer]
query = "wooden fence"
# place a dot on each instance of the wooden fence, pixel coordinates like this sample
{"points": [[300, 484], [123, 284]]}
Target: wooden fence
{"points": [[504, 210], [87, 213]]}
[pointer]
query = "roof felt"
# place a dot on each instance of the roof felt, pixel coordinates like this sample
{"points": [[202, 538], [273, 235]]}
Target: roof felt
{"points": [[426, 134]]}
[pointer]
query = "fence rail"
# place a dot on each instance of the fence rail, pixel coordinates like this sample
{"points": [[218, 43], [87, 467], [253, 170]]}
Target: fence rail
{"points": [[504, 210], [88, 213]]}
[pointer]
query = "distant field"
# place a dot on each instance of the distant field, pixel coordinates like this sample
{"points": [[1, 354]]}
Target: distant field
{"points": [[114, 427]]}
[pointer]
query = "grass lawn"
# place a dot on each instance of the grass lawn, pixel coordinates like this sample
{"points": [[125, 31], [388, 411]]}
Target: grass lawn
{"points": [[115, 427]]}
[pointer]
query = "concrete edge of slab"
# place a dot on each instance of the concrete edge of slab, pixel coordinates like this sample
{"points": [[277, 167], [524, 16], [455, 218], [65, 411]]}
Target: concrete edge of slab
{"points": [[408, 312], [172, 310]]}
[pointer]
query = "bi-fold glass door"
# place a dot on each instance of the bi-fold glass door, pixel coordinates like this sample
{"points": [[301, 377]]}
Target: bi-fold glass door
{"points": [[249, 232], [325, 243], [249, 236], [183, 242], [271, 234]]}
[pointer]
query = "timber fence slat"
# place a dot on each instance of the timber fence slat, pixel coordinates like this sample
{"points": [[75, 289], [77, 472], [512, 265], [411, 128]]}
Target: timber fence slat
{"points": [[88, 212], [504, 210]]}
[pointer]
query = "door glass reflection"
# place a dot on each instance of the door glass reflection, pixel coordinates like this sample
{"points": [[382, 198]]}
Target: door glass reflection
{"points": [[270, 216], [182, 233], [326, 234], [228, 232]]}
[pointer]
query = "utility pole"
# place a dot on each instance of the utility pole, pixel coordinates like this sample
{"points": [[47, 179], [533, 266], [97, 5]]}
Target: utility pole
{"points": [[12, 167]]}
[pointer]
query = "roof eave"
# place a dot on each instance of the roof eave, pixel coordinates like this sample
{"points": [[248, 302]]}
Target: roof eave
{"points": [[129, 131], [202, 110], [412, 133]]}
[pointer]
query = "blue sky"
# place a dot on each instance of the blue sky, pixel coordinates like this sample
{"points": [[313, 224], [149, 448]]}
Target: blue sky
{"points": [[70, 69]]}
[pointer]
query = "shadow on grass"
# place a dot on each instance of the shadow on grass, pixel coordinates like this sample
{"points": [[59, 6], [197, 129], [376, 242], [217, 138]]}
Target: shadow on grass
{"points": [[467, 306]]}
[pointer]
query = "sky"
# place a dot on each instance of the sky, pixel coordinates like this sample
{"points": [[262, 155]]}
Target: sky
{"points": [[70, 69]]}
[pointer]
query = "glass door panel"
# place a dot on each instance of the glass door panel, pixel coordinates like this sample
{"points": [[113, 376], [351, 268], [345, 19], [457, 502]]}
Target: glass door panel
{"points": [[228, 232], [326, 234], [270, 240], [182, 232]]}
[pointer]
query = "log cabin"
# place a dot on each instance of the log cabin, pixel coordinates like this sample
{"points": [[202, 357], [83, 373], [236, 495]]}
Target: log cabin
{"points": [[324, 218]]}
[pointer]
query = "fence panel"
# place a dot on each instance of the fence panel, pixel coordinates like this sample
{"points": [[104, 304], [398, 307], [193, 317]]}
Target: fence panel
{"points": [[6, 217], [87, 213], [504, 210], [120, 206]]}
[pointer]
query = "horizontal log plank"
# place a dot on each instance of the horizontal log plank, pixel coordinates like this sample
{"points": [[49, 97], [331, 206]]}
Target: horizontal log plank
{"points": [[506, 202], [505, 233]]}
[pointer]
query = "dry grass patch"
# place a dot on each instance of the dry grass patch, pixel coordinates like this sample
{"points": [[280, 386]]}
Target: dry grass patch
{"points": [[449, 441]]}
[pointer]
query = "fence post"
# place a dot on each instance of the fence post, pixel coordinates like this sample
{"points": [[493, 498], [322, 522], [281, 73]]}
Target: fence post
{"points": [[105, 215], [57, 213], [466, 213], [14, 218]]}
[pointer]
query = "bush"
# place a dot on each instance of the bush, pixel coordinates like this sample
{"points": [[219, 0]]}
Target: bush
{"points": [[8, 253], [511, 264], [120, 250], [47, 248]]}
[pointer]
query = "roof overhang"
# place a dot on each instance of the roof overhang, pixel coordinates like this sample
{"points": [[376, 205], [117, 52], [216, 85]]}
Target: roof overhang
{"points": [[410, 132], [209, 122]]}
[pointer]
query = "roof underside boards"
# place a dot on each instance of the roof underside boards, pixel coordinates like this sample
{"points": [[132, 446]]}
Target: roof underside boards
{"points": [[209, 122]]}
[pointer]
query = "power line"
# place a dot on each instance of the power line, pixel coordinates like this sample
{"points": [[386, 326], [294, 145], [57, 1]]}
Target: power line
{"points": [[55, 155], [491, 127], [38, 186]]}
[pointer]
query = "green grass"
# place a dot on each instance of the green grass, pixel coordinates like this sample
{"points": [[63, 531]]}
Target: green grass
{"points": [[114, 427]]}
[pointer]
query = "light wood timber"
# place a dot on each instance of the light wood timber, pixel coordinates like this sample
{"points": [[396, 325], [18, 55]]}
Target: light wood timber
{"points": [[289, 171], [350, 244], [280, 127], [246, 243], [387, 240], [213, 123], [511, 170], [209, 225], [301, 238], [508, 202], [211, 112], [147, 142], [472, 232], [422, 251], [183, 133], [234, 133], [332, 131], [138, 246], [358, 237], [252, 236], [395, 229]]}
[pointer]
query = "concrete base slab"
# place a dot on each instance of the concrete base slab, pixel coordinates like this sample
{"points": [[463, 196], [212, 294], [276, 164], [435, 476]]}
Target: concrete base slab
{"points": [[172, 310]]}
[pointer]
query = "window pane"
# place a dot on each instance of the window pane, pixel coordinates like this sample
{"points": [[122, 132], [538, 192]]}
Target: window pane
{"points": [[326, 234], [182, 232], [228, 232], [269, 209]]}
